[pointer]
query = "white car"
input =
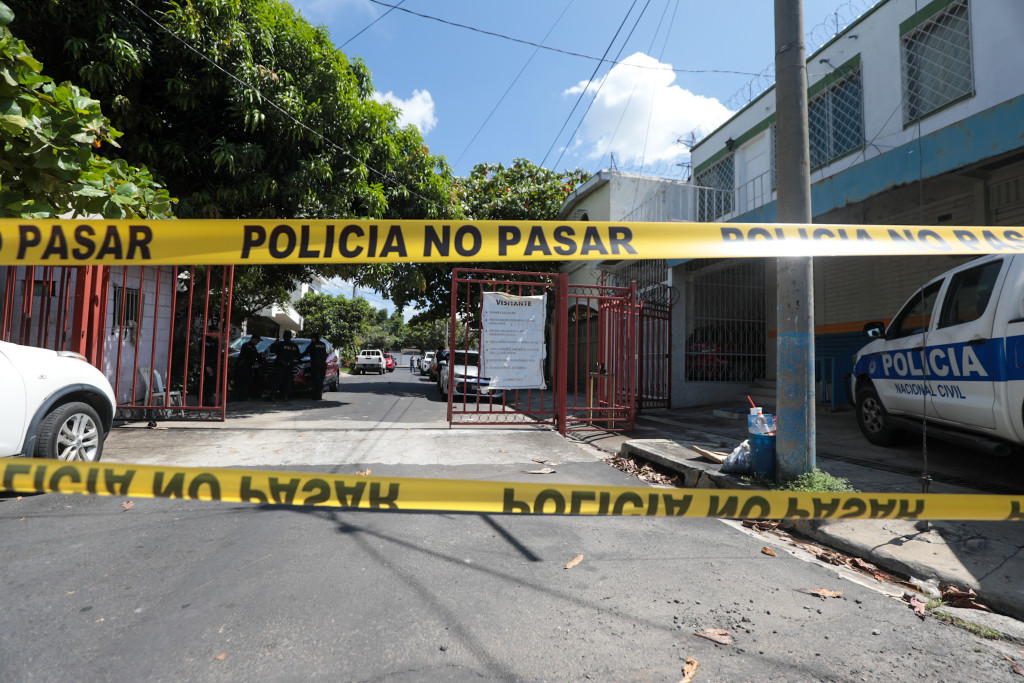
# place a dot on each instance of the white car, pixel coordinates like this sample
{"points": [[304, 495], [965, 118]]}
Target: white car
{"points": [[425, 362], [54, 404], [464, 367]]}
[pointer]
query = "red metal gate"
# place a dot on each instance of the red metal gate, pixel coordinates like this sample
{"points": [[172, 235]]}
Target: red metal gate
{"points": [[158, 333], [590, 361], [601, 388], [654, 355]]}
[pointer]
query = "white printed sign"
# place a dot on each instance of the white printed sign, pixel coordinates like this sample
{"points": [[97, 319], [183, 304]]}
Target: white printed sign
{"points": [[512, 340]]}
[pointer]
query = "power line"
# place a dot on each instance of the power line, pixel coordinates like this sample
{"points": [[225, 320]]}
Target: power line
{"points": [[510, 86], [394, 183], [605, 80], [362, 30], [541, 46], [583, 90]]}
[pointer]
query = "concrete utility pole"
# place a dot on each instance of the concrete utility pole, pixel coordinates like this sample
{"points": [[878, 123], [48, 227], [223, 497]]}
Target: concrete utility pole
{"points": [[795, 441]]}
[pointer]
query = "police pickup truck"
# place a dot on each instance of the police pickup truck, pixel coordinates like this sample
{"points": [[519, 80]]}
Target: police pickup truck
{"points": [[952, 358]]}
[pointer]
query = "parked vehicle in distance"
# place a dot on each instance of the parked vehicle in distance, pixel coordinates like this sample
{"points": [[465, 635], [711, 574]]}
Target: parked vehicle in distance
{"points": [[389, 362], [463, 367], [953, 355], [56, 404], [426, 361], [370, 360], [266, 367], [727, 352]]}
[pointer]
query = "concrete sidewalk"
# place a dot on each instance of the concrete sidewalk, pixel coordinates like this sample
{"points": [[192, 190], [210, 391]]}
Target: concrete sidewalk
{"points": [[987, 557]]}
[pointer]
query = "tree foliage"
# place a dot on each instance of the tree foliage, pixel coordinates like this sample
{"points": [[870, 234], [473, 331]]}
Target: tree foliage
{"points": [[522, 191], [341, 321], [49, 163], [243, 110]]}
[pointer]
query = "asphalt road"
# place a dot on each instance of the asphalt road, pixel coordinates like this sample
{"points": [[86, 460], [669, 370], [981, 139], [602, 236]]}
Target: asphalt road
{"points": [[174, 590]]}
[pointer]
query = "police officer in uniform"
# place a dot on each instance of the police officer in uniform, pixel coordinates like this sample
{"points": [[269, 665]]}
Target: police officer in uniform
{"points": [[317, 354], [246, 368], [286, 354]]}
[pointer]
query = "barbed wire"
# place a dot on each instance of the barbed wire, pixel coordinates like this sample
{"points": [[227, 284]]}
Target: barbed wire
{"points": [[831, 26]]}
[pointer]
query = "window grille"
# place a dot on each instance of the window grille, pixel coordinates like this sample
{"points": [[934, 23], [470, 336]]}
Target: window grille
{"points": [[129, 298], [937, 65], [720, 176], [726, 325], [650, 276], [40, 288], [835, 120]]}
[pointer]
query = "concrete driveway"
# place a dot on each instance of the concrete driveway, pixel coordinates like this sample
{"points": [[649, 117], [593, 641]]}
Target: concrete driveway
{"points": [[393, 419]]}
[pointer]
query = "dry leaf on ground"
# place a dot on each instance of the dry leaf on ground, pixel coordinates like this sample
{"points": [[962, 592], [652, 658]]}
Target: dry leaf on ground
{"points": [[364, 473], [573, 562], [955, 596], [821, 592], [221, 657], [540, 460], [545, 470], [128, 505], [689, 670], [918, 604], [719, 635], [768, 551]]}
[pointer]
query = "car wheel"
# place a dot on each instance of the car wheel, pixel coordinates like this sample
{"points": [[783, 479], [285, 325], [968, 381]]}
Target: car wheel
{"points": [[333, 385], [874, 420], [71, 431]]}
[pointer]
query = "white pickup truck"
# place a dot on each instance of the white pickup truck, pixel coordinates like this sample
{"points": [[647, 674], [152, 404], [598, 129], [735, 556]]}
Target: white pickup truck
{"points": [[952, 358], [370, 360]]}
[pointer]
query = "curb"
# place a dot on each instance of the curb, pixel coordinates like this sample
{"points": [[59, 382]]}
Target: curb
{"points": [[697, 472]]}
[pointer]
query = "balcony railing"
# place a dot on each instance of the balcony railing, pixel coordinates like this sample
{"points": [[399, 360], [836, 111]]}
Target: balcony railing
{"points": [[692, 203]]}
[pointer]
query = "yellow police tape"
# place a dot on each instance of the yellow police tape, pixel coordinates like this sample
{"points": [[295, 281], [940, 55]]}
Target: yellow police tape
{"points": [[460, 495], [223, 242]]}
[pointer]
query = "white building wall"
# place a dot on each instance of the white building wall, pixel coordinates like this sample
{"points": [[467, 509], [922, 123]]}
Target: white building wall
{"points": [[142, 346], [997, 50]]}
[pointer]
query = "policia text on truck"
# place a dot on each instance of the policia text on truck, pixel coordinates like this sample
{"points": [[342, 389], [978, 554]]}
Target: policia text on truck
{"points": [[954, 356]]}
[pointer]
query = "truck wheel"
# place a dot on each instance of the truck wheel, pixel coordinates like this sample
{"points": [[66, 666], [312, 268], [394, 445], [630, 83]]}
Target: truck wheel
{"points": [[71, 432], [873, 419]]}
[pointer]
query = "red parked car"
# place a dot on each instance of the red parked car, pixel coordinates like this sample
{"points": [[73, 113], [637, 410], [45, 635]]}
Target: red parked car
{"points": [[389, 362]]}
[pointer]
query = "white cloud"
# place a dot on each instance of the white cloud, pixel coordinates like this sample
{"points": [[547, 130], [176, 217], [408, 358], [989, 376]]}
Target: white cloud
{"points": [[417, 111], [639, 115]]}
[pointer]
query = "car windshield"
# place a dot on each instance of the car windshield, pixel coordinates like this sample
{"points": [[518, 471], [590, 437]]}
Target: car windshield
{"points": [[464, 358]]}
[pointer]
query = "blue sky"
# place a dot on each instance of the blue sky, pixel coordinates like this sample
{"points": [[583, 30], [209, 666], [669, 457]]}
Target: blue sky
{"points": [[684, 67]]}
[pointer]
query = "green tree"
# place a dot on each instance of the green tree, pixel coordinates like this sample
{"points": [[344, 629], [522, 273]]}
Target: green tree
{"points": [[243, 109], [49, 164], [339, 320], [522, 191]]}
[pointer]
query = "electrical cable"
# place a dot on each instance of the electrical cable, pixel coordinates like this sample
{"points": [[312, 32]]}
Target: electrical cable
{"points": [[361, 31], [583, 91], [541, 46], [622, 116], [511, 85], [601, 84]]}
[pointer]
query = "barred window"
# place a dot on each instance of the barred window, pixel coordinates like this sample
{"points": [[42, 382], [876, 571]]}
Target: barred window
{"points": [[128, 297], [937, 65], [835, 120], [720, 178]]}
